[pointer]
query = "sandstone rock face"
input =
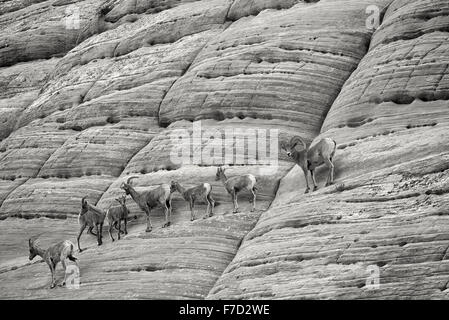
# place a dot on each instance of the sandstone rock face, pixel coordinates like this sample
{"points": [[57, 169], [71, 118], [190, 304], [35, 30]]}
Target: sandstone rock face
{"points": [[168, 90], [386, 215]]}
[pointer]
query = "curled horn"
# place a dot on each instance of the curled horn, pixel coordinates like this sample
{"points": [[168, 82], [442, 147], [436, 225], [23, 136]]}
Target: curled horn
{"points": [[294, 142], [34, 238], [129, 179], [83, 199]]}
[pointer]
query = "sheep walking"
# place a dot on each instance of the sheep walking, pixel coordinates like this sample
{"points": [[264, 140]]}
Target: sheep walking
{"points": [[116, 215], [309, 158], [149, 199], [93, 217], [234, 185], [203, 191], [53, 255]]}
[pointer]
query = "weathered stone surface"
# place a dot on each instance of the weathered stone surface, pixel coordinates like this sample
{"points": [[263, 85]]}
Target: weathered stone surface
{"points": [[243, 8], [41, 30], [26, 150], [179, 262], [213, 143], [54, 198], [287, 64], [113, 106], [390, 202], [20, 85]]}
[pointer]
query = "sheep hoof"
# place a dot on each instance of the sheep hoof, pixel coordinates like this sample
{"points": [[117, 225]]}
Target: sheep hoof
{"points": [[80, 250], [315, 188], [307, 191], [192, 219], [148, 230], [329, 184], [52, 286], [253, 209], [113, 240]]}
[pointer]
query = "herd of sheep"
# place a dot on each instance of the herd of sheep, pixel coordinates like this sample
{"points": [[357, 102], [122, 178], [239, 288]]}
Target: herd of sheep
{"points": [[92, 216]]}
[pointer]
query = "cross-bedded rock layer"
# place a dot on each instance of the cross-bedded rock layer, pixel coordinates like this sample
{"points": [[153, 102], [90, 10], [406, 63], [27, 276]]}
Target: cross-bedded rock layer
{"points": [[113, 98]]}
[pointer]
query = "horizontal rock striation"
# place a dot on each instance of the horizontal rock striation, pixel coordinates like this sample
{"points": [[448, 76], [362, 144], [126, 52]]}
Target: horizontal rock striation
{"points": [[384, 221], [151, 89], [282, 64]]}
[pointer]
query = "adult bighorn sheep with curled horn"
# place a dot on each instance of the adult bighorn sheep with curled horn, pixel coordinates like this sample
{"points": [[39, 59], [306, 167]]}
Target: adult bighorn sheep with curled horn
{"points": [[308, 159], [148, 199], [93, 217], [203, 191], [56, 253], [236, 184]]}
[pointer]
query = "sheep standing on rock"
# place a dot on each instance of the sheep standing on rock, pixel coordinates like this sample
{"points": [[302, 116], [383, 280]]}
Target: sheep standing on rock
{"points": [[234, 185], [53, 255], [116, 215], [148, 199], [93, 217], [309, 158], [203, 191]]}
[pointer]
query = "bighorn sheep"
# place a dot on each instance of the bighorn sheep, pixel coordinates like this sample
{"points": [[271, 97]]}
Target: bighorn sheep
{"points": [[116, 215], [91, 216], [309, 158], [148, 199], [56, 253], [236, 184], [203, 191]]}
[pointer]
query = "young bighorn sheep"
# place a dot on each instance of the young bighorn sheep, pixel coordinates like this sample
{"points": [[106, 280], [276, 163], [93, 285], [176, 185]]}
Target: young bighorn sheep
{"points": [[93, 217], [309, 158], [58, 252], [116, 215], [236, 184], [148, 199], [203, 191]]}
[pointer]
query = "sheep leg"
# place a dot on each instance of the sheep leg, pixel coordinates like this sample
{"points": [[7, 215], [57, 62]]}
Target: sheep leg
{"points": [[115, 227], [207, 208], [91, 232], [65, 268], [330, 165], [236, 204], [79, 236], [111, 225], [254, 199], [53, 276], [168, 212], [303, 167], [312, 173], [149, 225], [192, 205], [126, 227], [212, 202], [119, 225], [97, 228]]}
